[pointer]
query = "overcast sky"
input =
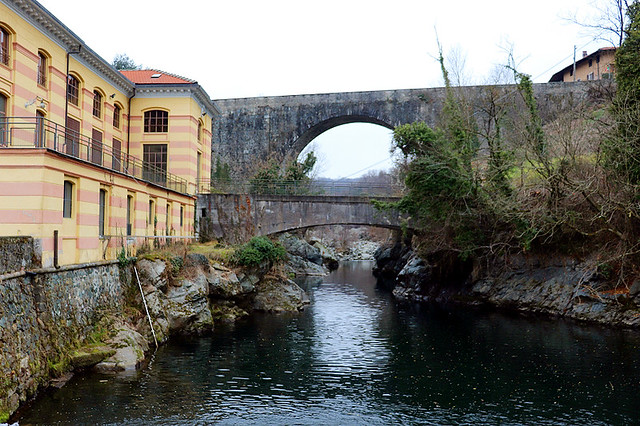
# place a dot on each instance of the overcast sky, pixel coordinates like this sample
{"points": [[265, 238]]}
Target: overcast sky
{"points": [[245, 48]]}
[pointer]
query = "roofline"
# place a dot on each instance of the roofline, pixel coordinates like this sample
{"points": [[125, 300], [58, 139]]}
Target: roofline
{"points": [[38, 16], [196, 90], [584, 58]]}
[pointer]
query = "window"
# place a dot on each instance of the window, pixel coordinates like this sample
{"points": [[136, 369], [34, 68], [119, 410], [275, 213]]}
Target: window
{"points": [[181, 216], [116, 159], [67, 203], [152, 213], [590, 62], [73, 90], [40, 140], [168, 219], [156, 121], [117, 111], [4, 138], [199, 131], [130, 214], [4, 46], [72, 137], [96, 147], [42, 69], [102, 213], [97, 104], [590, 76], [198, 167], [154, 159]]}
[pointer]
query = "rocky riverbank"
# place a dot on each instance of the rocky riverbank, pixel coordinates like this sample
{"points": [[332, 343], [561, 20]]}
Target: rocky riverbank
{"points": [[189, 295], [183, 295], [529, 283]]}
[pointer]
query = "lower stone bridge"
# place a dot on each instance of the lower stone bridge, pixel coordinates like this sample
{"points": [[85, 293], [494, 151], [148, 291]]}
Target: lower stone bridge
{"points": [[237, 217]]}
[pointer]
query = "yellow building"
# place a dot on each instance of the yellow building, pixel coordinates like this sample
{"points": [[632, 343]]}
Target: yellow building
{"points": [[93, 160], [600, 65]]}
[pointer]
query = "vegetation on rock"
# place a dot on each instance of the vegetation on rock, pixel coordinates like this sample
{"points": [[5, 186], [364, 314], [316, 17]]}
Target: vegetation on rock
{"points": [[257, 251]]}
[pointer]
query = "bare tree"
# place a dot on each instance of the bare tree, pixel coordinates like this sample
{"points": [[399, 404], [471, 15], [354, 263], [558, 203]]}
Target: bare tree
{"points": [[607, 22]]}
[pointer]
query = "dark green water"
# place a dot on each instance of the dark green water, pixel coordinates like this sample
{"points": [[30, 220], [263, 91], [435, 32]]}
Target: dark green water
{"points": [[355, 357]]}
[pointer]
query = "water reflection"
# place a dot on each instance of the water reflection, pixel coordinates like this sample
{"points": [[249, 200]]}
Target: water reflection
{"points": [[355, 357]]}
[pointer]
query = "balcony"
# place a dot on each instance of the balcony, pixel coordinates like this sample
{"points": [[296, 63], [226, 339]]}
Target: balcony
{"points": [[39, 133]]}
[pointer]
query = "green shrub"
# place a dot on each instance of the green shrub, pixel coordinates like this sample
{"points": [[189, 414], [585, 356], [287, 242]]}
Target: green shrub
{"points": [[257, 251]]}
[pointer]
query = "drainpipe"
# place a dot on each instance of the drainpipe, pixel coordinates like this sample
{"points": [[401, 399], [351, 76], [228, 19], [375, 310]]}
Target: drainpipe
{"points": [[129, 121]]}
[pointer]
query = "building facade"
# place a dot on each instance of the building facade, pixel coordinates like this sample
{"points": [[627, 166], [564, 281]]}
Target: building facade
{"points": [[93, 161], [600, 65]]}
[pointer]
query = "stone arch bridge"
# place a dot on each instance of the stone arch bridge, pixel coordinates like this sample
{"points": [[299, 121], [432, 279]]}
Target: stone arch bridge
{"points": [[249, 130], [237, 217]]}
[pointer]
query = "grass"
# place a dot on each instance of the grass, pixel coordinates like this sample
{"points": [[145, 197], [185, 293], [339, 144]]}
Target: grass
{"points": [[213, 250]]}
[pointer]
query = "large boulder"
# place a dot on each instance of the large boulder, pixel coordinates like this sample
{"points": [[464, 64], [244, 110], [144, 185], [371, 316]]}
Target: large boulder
{"points": [[275, 295], [329, 256], [130, 348], [299, 247]]}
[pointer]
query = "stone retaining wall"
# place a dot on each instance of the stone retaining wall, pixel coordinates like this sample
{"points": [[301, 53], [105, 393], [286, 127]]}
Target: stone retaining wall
{"points": [[43, 315], [18, 253]]}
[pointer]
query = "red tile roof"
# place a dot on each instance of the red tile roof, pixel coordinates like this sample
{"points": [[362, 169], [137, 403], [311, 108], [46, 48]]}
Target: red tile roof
{"points": [[161, 77]]}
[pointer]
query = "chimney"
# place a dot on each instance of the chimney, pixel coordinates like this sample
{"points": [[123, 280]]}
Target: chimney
{"points": [[584, 53]]}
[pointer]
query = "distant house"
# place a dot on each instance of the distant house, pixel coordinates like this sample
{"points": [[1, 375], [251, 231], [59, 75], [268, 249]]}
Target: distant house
{"points": [[597, 66]]}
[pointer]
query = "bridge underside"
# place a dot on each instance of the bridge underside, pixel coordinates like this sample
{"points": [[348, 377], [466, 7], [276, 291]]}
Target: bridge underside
{"points": [[236, 218]]}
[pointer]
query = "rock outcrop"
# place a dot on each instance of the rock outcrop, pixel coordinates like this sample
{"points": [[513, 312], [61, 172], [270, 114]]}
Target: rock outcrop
{"points": [[188, 299], [302, 257], [525, 283]]}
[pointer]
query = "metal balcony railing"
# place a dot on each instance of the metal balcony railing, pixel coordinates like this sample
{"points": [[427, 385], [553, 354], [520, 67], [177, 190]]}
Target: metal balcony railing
{"points": [[321, 187], [37, 132]]}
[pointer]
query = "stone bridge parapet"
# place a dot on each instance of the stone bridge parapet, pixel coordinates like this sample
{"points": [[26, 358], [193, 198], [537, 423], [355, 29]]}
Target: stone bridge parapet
{"points": [[236, 218]]}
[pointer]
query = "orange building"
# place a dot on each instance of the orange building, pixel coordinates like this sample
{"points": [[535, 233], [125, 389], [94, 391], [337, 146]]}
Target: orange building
{"points": [[599, 65], [93, 161]]}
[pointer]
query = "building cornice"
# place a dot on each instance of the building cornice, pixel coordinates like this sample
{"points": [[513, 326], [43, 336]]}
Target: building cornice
{"points": [[194, 90], [42, 19]]}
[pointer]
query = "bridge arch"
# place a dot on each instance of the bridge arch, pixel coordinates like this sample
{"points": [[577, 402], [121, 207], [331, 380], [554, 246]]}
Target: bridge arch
{"points": [[250, 130], [316, 130]]}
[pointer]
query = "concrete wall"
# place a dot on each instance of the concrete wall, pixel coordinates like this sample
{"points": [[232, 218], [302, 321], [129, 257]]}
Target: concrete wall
{"points": [[45, 314], [236, 218]]}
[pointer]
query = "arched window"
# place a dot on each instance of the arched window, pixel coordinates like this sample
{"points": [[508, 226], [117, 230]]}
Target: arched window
{"points": [[4, 139], [97, 104], [199, 131], [3, 107], [117, 112], [73, 90], [4, 46], [42, 69], [156, 121]]}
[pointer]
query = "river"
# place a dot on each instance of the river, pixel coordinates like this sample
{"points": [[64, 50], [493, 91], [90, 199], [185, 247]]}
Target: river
{"points": [[354, 356]]}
